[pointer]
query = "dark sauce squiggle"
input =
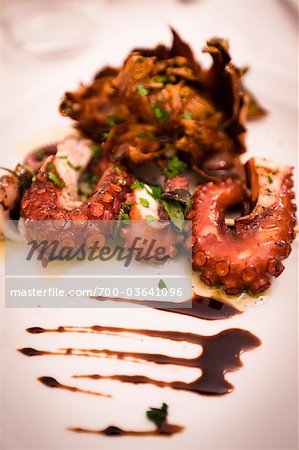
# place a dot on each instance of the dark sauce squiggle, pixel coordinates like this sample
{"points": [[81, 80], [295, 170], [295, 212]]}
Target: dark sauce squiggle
{"points": [[54, 384], [202, 307], [167, 429], [220, 354]]}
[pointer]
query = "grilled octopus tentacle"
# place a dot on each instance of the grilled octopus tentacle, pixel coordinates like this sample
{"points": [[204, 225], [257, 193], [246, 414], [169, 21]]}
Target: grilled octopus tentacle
{"points": [[51, 209], [248, 255], [53, 195]]}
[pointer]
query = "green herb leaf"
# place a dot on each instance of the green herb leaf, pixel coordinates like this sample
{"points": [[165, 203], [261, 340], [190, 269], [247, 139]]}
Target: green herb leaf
{"points": [[270, 179], [175, 213], [155, 192], [160, 113], [175, 167], [187, 115], [121, 181], [56, 180], [50, 166], [97, 150], [162, 285], [105, 136], [180, 196], [162, 78], [158, 415], [142, 90], [144, 202], [125, 218], [117, 169], [142, 58], [130, 203], [63, 157], [150, 218], [69, 163], [137, 185]]}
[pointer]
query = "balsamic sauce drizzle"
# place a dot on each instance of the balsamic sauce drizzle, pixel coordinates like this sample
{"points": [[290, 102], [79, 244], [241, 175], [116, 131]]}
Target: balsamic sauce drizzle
{"points": [[167, 429], [54, 384], [202, 307], [220, 354]]}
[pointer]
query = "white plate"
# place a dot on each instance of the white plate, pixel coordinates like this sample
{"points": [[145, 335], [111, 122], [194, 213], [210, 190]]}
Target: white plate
{"points": [[261, 413]]}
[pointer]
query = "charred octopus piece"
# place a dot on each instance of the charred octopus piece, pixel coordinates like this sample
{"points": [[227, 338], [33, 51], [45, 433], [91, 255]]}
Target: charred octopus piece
{"points": [[246, 256]]}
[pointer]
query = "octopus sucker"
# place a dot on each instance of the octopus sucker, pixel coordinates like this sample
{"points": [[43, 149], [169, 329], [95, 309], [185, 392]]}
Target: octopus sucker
{"points": [[246, 256]]}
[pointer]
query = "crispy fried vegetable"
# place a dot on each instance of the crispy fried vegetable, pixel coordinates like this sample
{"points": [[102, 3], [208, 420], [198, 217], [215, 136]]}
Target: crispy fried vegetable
{"points": [[161, 97]]}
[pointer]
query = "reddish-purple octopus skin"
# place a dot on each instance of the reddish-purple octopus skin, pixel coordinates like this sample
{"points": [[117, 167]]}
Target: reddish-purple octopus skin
{"points": [[42, 200], [245, 257], [51, 210]]}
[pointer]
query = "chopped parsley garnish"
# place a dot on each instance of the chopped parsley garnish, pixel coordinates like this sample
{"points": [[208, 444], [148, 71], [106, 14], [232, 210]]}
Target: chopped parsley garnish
{"points": [[174, 167], [187, 115], [50, 166], [121, 181], [69, 163], [137, 185], [142, 90], [124, 217], [175, 213], [142, 58], [130, 203], [162, 78], [117, 169], [158, 415], [56, 180], [144, 202], [177, 204], [155, 192], [150, 218], [63, 157], [270, 179], [105, 136], [96, 150], [162, 285], [160, 113]]}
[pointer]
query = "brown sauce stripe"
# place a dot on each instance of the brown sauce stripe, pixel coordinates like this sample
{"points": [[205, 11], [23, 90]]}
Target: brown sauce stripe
{"points": [[220, 354], [54, 384], [166, 429], [202, 307]]}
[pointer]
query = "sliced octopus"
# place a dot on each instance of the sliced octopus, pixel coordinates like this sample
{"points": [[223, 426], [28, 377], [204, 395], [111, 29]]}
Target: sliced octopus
{"points": [[52, 203], [246, 256]]}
